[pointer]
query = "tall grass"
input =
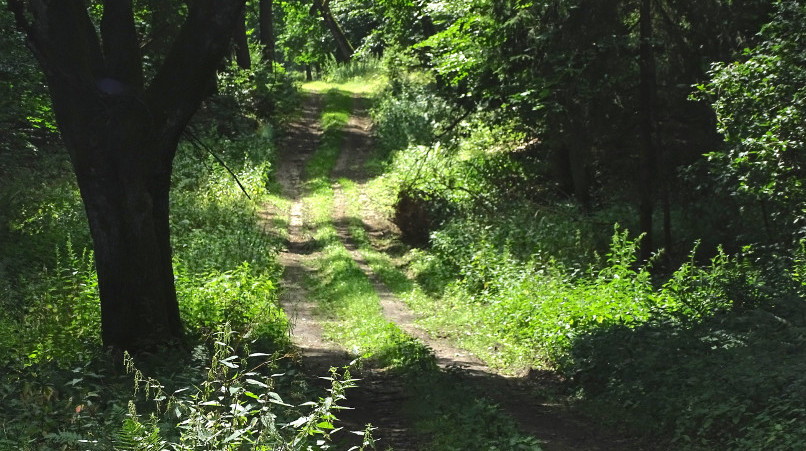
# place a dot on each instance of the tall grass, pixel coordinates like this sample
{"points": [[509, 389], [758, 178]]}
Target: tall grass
{"points": [[360, 68]]}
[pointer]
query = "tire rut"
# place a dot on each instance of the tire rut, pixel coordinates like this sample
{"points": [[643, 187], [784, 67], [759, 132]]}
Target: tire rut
{"points": [[551, 423], [296, 149], [380, 396], [377, 398]]}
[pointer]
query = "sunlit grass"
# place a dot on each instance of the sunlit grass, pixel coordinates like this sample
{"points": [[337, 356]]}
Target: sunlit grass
{"points": [[366, 86], [451, 414], [345, 295]]}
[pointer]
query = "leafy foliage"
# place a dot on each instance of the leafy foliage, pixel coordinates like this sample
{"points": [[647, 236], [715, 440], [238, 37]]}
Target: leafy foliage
{"points": [[730, 381], [262, 93], [512, 123], [235, 406], [25, 114], [759, 107], [514, 271], [59, 389]]}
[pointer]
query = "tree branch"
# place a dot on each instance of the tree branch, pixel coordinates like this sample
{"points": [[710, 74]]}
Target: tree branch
{"points": [[62, 38], [199, 144], [121, 49], [184, 78]]}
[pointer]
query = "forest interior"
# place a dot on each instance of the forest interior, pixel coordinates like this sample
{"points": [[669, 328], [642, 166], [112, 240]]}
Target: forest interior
{"points": [[402, 224]]}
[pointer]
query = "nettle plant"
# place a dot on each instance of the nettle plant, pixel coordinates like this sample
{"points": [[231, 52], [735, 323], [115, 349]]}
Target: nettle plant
{"points": [[236, 407]]}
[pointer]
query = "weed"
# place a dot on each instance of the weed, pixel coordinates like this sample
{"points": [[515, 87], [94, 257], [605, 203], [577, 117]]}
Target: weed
{"points": [[236, 406]]}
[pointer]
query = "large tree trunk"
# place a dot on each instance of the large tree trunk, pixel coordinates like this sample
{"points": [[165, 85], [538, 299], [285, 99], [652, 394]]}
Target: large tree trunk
{"points": [[127, 208], [122, 161], [122, 138]]}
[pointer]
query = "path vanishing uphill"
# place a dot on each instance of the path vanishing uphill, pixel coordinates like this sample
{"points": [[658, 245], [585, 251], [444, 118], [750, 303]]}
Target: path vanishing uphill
{"points": [[380, 396]]}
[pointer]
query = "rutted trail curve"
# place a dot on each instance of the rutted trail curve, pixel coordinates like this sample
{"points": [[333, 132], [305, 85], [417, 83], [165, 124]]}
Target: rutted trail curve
{"points": [[380, 396]]}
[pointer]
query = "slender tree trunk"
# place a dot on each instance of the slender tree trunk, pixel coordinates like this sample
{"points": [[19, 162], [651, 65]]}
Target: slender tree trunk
{"points": [[345, 49], [267, 29], [578, 151], [667, 209], [428, 25], [648, 159], [242, 55], [561, 162], [579, 172]]}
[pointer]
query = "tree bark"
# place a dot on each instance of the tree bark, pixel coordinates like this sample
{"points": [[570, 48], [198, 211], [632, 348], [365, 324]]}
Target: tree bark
{"points": [[345, 49], [242, 55], [127, 207], [579, 156], [267, 29], [576, 139], [122, 138], [647, 157]]}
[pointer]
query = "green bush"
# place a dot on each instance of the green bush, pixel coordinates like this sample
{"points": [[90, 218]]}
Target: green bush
{"points": [[243, 297], [707, 357], [759, 109], [732, 381], [264, 92], [407, 114]]}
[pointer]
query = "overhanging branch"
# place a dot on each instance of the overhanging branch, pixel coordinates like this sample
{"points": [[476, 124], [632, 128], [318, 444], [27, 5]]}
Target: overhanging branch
{"points": [[199, 144]]}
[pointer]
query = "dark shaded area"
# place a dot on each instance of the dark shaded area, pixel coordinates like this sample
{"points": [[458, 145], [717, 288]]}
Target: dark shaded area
{"points": [[416, 216], [667, 377]]}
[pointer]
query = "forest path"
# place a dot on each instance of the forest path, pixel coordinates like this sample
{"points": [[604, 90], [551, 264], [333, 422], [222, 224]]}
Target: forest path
{"points": [[380, 396], [298, 147]]}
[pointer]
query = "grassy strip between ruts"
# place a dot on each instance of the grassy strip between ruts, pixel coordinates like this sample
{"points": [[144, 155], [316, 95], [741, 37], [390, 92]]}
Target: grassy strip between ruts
{"points": [[345, 295]]}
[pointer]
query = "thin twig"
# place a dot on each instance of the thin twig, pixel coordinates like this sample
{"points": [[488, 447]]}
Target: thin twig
{"points": [[453, 125], [199, 144]]}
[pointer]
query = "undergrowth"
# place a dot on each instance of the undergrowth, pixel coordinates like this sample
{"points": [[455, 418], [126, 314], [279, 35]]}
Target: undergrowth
{"points": [[451, 414], [58, 387], [237, 405], [705, 356]]}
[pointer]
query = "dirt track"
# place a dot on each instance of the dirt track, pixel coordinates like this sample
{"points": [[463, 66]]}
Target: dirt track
{"points": [[380, 396]]}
